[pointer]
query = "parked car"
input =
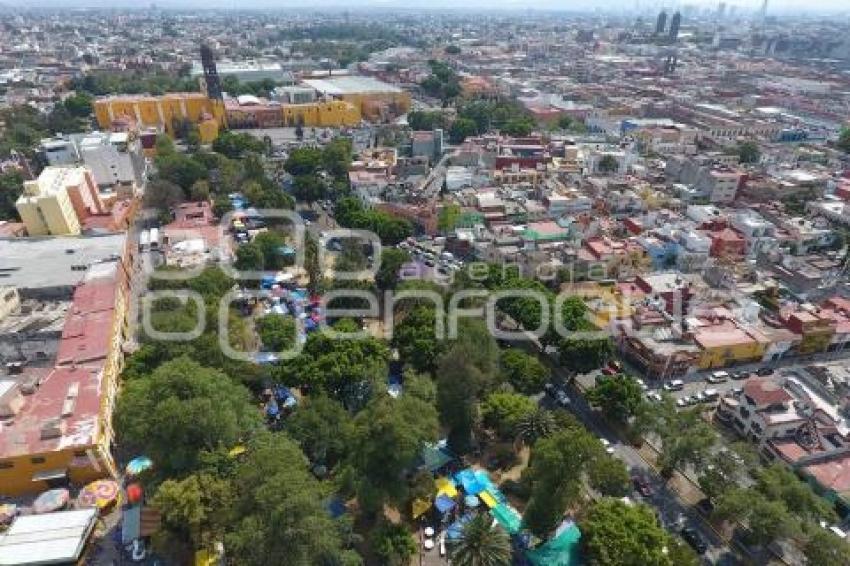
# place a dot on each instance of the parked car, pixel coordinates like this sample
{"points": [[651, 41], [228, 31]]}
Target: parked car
{"points": [[718, 377], [694, 539], [763, 372], [654, 396], [711, 395], [642, 486], [562, 399], [674, 385], [606, 444], [740, 375]]}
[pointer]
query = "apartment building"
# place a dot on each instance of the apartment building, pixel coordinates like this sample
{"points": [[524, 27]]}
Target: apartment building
{"points": [[115, 159], [57, 202]]}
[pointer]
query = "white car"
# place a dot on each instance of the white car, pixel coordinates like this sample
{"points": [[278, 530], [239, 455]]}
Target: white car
{"points": [[654, 396], [641, 383], [606, 444]]}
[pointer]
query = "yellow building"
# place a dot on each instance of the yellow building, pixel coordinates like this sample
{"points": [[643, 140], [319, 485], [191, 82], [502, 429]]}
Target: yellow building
{"points": [[57, 202], [163, 112], [62, 431], [605, 302], [726, 344], [373, 98], [321, 114]]}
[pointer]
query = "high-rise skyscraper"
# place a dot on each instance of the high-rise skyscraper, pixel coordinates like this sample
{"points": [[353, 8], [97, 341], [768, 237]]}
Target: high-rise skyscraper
{"points": [[675, 22], [721, 10], [210, 73], [763, 12], [661, 24]]}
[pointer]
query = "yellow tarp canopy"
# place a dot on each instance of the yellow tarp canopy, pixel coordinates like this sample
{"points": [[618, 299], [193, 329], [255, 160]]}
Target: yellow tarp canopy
{"points": [[445, 487], [420, 506], [488, 499]]}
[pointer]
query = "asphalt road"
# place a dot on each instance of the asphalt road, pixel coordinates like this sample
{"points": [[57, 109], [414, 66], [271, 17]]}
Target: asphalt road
{"points": [[672, 511]]}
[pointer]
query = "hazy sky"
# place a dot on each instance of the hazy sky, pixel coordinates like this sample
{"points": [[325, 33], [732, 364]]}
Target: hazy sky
{"points": [[775, 6]]}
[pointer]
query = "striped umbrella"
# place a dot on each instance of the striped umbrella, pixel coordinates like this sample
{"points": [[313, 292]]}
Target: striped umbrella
{"points": [[100, 493], [51, 500], [138, 465]]}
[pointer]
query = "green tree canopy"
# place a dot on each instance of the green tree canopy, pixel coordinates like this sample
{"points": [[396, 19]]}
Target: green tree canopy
{"points": [[618, 396], [181, 410], [844, 140], [825, 549], [79, 104], [526, 373], [608, 164], [323, 428], [482, 544], [502, 412], [11, 187], [393, 544], [392, 259], [309, 187], [558, 465], [280, 514], [388, 436], [235, 145], [277, 332], [748, 152], [617, 534], [303, 161]]}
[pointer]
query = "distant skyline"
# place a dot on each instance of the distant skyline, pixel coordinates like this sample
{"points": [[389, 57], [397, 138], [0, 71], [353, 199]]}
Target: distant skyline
{"points": [[775, 6]]}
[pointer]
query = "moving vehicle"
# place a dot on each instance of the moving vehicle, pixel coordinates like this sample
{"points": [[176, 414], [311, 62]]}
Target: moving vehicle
{"points": [[562, 399], [642, 486], [606, 444], [674, 385], [694, 539], [740, 375], [763, 372], [718, 377]]}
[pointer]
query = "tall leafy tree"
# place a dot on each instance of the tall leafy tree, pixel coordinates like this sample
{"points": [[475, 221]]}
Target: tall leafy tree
{"points": [[323, 428], [617, 534], [279, 516], [387, 438], [503, 412], [825, 549], [526, 373], [618, 396], [558, 465], [535, 425], [181, 410], [393, 544]]}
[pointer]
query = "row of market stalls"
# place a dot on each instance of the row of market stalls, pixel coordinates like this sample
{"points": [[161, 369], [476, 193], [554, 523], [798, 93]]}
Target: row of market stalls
{"points": [[459, 496], [57, 528]]}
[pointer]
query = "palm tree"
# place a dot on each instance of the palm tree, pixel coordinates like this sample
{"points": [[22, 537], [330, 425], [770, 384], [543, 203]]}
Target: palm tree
{"points": [[481, 544], [535, 425]]}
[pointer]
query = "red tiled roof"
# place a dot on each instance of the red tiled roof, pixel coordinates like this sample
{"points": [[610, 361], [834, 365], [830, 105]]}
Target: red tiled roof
{"points": [[23, 435], [833, 474], [766, 391]]}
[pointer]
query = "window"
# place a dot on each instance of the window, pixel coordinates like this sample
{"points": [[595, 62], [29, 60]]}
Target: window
{"points": [[37, 460], [81, 454], [6, 465]]}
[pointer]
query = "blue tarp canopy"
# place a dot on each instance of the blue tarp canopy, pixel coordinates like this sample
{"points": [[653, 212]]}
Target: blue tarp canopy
{"points": [[473, 482], [336, 507], [444, 504], [456, 529]]}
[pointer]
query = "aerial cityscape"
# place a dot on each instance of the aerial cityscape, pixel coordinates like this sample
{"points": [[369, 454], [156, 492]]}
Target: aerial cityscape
{"points": [[398, 285]]}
